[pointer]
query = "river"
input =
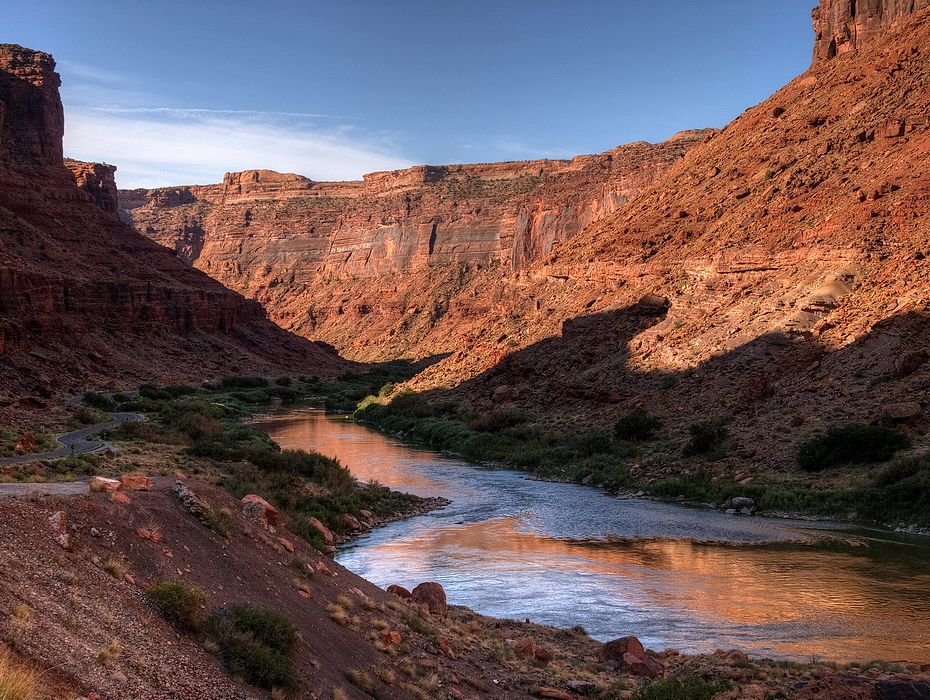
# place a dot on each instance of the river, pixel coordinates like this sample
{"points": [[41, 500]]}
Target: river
{"points": [[688, 578]]}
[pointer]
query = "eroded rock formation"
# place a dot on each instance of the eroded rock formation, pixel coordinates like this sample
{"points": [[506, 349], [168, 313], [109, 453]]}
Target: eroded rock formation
{"points": [[843, 26], [84, 299], [308, 250]]}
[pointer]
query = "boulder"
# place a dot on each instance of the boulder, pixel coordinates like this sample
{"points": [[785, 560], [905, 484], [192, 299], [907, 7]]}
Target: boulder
{"points": [[391, 637], [101, 483], [432, 595], [399, 591], [902, 412], [554, 693], [260, 510], [351, 522], [325, 531], [615, 649], [135, 483], [287, 544], [741, 502], [119, 497], [323, 569]]}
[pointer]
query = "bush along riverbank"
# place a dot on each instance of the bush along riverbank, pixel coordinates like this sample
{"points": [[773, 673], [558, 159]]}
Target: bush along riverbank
{"points": [[851, 473], [203, 426]]}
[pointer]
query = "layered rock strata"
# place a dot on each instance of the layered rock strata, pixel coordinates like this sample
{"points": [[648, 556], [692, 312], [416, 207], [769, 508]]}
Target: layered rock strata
{"points": [[285, 240], [843, 26], [86, 300]]}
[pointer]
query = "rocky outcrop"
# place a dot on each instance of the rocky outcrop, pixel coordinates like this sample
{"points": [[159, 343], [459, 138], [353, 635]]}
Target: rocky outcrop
{"points": [[843, 26], [86, 301], [98, 180]]}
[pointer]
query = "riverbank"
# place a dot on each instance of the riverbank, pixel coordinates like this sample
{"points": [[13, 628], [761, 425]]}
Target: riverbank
{"points": [[892, 494]]}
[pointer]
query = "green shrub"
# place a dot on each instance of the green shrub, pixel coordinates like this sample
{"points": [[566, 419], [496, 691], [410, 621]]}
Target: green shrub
{"points": [[256, 642], [637, 426], [283, 381], [244, 382], [178, 603], [688, 688], [88, 416], [499, 420], [705, 436], [851, 444], [98, 401]]}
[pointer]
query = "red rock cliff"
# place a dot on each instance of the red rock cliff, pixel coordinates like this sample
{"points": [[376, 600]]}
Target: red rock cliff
{"points": [[843, 26], [302, 248], [84, 299], [99, 181]]}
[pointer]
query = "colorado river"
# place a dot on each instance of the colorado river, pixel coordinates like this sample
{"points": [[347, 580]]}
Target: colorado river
{"points": [[693, 579]]}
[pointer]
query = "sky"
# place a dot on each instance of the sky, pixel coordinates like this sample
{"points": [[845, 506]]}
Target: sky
{"points": [[179, 93]]}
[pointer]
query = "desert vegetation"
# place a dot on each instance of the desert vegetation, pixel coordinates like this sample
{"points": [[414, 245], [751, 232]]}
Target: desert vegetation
{"points": [[886, 488]]}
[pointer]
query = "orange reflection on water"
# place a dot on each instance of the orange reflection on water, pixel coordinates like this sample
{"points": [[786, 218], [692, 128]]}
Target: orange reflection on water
{"points": [[823, 598]]}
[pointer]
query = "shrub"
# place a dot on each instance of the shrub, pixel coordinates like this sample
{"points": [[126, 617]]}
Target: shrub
{"points": [[98, 401], [283, 381], [178, 603], [256, 642], [244, 382], [705, 436], [219, 519], [499, 420], [851, 444], [637, 426], [688, 688]]}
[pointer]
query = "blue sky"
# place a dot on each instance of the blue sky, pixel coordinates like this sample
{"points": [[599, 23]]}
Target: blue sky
{"points": [[181, 92]]}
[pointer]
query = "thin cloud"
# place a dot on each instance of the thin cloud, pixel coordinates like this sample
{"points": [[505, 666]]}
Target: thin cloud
{"points": [[107, 118], [182, 112], [163, 148]]}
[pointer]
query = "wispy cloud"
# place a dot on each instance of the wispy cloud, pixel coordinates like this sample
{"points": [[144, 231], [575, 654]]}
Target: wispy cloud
{"points": [[152, 145], [197, 148]]}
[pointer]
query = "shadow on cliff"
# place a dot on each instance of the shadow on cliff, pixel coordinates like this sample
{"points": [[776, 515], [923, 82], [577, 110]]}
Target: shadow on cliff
{"points": [[597, 366]]}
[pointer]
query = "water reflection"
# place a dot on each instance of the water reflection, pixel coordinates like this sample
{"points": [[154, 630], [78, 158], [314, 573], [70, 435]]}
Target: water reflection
{"points": [[562, 554]]}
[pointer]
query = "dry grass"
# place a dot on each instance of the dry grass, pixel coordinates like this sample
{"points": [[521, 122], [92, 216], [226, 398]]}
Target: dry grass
{"points": [[396, 605], [344, 602], [337, 614], [406, 667], [115, 567], [379, 624], [110, 654], [22, 612], [369, 604], [340, 694], [388, 649], [386, 674], [17, 682], [361, 680]]}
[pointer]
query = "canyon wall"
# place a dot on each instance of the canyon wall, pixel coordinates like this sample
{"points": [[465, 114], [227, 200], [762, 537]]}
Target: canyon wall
{"points": [[84, 299], [285, 240], [843, 26]]}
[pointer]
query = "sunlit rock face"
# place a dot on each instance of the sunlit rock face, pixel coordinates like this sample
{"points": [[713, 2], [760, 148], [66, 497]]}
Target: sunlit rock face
{"points": [[84, 299], [843, 26]]}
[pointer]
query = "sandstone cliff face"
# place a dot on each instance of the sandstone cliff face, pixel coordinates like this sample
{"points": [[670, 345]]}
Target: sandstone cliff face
{"points": [[84, 299], [99, 181], [790, 250], [303, 248], [843, 26]]}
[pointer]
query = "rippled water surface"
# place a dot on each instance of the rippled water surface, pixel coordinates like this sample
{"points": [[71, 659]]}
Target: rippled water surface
{"points": [[692, 579]]}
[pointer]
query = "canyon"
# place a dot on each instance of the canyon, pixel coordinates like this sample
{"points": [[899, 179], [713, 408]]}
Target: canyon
{"points": [[775, 271], [84, 299]]}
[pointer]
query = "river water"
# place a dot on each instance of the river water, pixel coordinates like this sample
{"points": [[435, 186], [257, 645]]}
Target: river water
{"points": [[692, 579]]}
